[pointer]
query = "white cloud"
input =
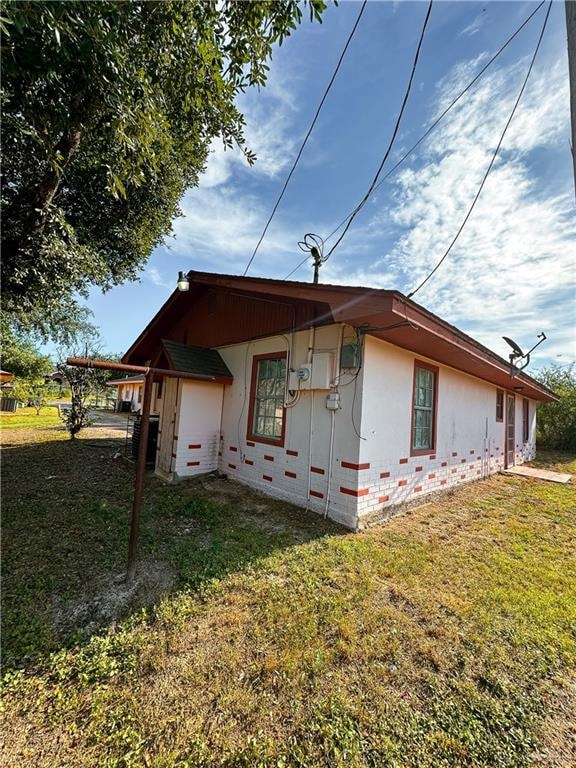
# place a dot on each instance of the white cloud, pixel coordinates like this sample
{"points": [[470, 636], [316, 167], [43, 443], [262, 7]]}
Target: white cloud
{"points": [[512, 270], [269, 115], [153, 275], [474, 26]]}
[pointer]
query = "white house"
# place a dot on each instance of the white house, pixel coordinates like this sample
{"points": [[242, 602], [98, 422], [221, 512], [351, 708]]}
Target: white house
{"points": [[348, 401]]}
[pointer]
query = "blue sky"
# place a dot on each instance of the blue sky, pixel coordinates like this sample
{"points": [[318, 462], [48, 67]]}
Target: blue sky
{"points": [[512, 271]]}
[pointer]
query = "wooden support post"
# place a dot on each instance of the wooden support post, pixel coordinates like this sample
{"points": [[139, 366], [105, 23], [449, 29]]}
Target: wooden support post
{"points": [[139, 477]]}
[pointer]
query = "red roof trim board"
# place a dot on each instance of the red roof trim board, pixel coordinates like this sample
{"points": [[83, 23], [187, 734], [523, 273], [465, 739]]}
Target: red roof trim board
{"points": [[415, 328]]}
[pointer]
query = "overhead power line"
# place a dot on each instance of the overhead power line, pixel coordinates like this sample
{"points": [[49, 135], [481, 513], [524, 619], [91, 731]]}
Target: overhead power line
{"points": [[432, 125], [312, 124], [494, 156], [364, 200]]}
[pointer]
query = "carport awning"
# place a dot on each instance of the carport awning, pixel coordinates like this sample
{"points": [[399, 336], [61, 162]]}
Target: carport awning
{"points": [[201, 361]]}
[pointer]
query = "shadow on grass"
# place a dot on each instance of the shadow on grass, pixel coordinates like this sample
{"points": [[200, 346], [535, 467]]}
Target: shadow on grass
{"points": [[66, 512]]}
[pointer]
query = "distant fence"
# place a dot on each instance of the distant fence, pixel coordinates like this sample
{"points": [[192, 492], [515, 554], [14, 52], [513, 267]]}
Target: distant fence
{"points": [[8, 404]]}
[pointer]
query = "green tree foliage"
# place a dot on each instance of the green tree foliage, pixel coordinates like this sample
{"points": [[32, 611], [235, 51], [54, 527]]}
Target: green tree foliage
{"points": [[34, 392], [108, 111], [557, 421], [85, 384], [21, 356]]}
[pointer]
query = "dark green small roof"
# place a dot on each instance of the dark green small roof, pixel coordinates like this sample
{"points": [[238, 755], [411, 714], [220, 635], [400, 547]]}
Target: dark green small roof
{"points": [[199, 360]]}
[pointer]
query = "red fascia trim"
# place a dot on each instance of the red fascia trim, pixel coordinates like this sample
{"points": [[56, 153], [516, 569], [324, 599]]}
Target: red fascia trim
{"points": [[249, 433], [436, 371], [350, 465], [351, 492]]}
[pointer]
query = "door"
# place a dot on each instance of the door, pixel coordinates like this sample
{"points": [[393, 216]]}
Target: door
{"points": [[167, 425], [510, 430]]}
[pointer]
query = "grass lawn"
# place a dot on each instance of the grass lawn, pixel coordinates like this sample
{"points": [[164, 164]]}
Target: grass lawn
{"points": [[445, 638], [27, 418]]}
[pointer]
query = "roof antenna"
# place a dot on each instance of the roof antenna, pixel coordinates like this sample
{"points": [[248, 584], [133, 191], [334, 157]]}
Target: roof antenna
{"points": [[314, 245], [517, 353]]}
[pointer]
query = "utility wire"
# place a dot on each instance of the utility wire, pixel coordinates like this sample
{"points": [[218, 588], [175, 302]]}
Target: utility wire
{"points": [[364, 200], [432, 125], [493, 160], [313, 123]]}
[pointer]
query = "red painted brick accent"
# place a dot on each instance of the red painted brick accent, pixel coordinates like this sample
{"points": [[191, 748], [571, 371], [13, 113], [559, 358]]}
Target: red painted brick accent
{"points": [[192, 463], [317, 494], [462, 461], [431, 476], [432, 457], [175, 437], [318, 470], [232, 466], [403, 461], [269, 458], [249, 462], [477, 471], [418, 469], [402, 482], [463, 477], [290, 474], [233, 448], [194, 446], [382, 499], [266, 477], [491, 455], [351, 492], [454, 453], [349, 465], [384, 474], [442, 482], [444, 463], [453, 471], [417, 489], [472, 451], [292, 453], [250, 443], [173, 455]]}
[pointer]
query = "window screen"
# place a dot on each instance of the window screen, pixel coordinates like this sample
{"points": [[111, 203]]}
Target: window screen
{"points": [[268, 412], [423, 416]]}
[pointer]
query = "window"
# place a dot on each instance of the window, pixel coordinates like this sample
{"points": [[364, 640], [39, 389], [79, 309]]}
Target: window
{"points": [[525, 420], [499, 405], [424, 402], [266, 414]]}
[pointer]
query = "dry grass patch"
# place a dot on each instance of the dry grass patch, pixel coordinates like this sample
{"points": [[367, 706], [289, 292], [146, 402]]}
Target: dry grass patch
{"points": [[431, 641]]}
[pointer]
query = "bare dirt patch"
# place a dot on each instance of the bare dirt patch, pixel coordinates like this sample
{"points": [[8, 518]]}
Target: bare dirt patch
{"points": [[111, 597]]}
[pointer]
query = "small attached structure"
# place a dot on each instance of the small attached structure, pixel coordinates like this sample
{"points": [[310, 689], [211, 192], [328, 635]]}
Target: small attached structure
{"points": [[129, 391], [346, 400]]}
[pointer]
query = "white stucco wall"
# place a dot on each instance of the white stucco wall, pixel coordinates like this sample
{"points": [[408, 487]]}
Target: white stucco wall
{"points": [[469, 440], [302, 463], [368, 473], [197, 429]]}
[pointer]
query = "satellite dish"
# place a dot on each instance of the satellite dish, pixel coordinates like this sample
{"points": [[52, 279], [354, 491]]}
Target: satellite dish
{"points": [[511, 343]]}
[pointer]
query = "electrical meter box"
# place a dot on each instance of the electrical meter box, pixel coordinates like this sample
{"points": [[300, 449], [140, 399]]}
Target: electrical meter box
{"points": [[349, 356], [315, 375]]}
